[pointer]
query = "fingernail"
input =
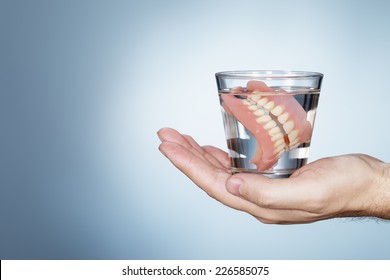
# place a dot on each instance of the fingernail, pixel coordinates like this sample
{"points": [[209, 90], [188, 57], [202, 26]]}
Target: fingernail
{"points": [[233, 185]]}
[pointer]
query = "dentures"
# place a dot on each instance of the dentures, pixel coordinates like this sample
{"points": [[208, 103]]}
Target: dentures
{"points": [[276, 120]]}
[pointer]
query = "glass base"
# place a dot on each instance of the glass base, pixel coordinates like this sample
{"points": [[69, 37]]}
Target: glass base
{"points": [[269, 174]]}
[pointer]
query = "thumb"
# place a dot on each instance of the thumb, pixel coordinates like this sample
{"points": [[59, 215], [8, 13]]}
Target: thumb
{"points": [[251, 187]]}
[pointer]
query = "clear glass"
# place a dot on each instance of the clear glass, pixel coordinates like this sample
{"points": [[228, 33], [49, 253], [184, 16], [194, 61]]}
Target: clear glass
{"points": [[268, 117]]}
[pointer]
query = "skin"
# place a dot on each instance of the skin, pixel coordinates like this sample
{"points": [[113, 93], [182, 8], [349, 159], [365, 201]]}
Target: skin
{"points": [[353, 185]]}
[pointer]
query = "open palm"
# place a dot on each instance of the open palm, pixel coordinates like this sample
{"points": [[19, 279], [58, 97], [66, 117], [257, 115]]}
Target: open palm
{"points": [[341, 186]]}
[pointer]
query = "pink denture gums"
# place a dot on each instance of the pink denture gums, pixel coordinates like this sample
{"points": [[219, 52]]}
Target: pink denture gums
{"points": [[275, 118]]}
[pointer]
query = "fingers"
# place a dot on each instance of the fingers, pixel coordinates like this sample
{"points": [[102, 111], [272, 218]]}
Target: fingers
{"points": [[204, 174], [189, 157], [220, 155], [172, 135], [207, 177], [193, 143], [207, 156], [196, 168], [215, 158]]}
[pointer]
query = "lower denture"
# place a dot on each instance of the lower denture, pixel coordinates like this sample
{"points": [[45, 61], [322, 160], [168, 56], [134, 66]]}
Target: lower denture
{"points": [[269, 117]]}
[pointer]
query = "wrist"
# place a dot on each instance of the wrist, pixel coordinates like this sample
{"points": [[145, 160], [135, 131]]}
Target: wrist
{"points": [[381, 192]]}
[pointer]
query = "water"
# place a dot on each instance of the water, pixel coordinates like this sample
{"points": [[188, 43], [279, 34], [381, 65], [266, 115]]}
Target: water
{"points": [[269, 133]]}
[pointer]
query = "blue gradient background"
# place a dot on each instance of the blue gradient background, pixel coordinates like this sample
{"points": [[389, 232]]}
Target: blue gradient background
{"points": [[85, 85]]}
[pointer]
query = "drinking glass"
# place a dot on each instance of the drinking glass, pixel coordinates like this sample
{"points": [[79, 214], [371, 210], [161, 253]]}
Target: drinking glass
{"points": [[268, 117]]}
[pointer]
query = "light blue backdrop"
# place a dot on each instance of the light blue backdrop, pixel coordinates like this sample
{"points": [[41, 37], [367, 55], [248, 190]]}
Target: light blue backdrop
{"points": [[85, 85]]}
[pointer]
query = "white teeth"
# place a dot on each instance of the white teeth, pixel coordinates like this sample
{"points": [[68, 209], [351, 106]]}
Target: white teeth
{"points": [[288, 126], [279, 148], [262, 101], [293, 135], [279, 142], [270, 124], [283, 118], [254, 97], [269, 106], [246, 102], [261, 108], [277, 136], [259, 112], [263, 119], [274, 131], [277, 111], [294, 144]]}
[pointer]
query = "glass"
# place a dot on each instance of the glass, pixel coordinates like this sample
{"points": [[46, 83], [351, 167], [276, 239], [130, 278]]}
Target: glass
{"points": [[268, 117]]}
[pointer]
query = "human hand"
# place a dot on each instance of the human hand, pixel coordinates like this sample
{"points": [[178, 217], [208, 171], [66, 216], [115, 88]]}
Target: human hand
{"points": [[343, 186]]}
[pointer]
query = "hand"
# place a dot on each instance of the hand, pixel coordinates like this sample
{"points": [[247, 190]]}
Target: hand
{"points": [[343, 186]]}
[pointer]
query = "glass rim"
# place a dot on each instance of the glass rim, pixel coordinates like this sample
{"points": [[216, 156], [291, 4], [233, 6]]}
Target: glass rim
{"points": [[269, 74]]}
